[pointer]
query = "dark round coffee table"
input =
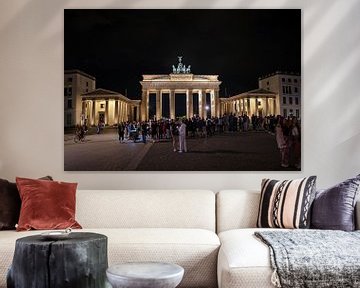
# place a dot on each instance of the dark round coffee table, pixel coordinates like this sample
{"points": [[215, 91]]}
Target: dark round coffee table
{"points": [[79, 260], [145, 275]]}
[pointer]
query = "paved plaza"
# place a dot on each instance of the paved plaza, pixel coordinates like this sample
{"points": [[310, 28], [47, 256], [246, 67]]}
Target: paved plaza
{"points": [[249, 151]]}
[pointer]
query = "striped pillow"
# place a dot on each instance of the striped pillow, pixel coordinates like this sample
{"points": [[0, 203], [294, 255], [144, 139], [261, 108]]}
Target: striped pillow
{"points": [[286, 204]]}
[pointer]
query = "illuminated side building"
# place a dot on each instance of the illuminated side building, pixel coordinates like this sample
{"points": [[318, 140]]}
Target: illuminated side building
{"points": [[76, 83], [288, 88]]}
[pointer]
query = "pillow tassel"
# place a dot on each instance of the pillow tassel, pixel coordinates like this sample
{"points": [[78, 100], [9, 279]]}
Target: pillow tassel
{"points": [[275, 280]]}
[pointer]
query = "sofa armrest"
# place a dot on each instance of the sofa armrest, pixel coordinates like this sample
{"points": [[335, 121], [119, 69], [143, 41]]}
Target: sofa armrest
{"points": [[357, 215]]}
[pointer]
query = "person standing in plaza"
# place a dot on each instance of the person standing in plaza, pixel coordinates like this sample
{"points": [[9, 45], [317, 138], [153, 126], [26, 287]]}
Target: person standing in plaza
{"points": [[144, 131], [173, 133], [296, 144], [281, 142], [121, 131], [182, 137]]}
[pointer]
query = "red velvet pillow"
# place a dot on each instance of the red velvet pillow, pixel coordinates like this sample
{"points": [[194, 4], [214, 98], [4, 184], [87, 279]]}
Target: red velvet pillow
{"points": [[46, 204]]}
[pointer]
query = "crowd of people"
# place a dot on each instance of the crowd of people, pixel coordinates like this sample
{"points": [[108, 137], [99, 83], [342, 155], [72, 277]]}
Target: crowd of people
{"points": [[288, 139], [286, 130]]}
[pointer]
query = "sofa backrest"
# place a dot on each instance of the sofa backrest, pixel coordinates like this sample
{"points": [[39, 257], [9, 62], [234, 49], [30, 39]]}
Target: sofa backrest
{"points": [[236, 209], [146, 209]]}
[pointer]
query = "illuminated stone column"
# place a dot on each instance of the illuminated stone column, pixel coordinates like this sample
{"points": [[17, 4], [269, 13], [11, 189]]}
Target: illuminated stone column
{"points": [[266, 106], [200, 103], [158, 106], [203, 104], [217, 103], [144, 104], [189, 104], [93, 105], [256, 106], [121, 111], [243, 106], [212, 103], [274, 107], [126, 117], [106, 112], [172, 104], [248, 108], [116, 120]]}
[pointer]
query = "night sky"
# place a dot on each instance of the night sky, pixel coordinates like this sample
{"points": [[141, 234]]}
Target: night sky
{"points": [[118, 46]]}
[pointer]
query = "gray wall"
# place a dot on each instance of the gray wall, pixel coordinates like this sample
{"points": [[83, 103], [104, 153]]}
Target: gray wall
{"points": [[31, 94]]}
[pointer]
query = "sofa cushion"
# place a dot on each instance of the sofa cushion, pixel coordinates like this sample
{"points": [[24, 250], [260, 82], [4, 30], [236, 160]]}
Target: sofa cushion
{"points": [[196, 250], [286, 204], [244, 261], [46, 204], [334, 208]]}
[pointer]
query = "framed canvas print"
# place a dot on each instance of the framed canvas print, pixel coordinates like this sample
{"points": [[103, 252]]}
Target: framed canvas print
{"points": [[182, 90]]}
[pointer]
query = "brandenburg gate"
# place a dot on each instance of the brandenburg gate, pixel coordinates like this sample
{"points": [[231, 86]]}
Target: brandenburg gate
{"points": [[181, 80]]}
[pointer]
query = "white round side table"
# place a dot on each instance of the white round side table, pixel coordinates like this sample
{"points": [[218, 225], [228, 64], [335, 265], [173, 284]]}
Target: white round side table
{"points": [[145, 275]]}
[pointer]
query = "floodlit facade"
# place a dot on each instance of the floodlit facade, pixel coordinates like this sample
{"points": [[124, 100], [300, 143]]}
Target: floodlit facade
{"points": [[108, 108], [258, 102], [287, 86], [76, 83], [181, 81], [278, 94]]}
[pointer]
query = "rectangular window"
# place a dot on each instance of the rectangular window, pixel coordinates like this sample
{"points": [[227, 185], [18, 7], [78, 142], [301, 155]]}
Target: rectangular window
{"points": [[295, 89], [284, 89], [297, 100], [69, 79], [69, 91], [285, 113], [289, 89], [69, 104], [289, 80], [297, 113], [87, 84], [290, 100], [295, 80], [283, 79], [284, 100], [267, 83]]}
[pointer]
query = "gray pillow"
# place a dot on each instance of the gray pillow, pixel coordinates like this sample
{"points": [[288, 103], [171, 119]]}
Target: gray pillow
{"points": [[334, 208]]}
